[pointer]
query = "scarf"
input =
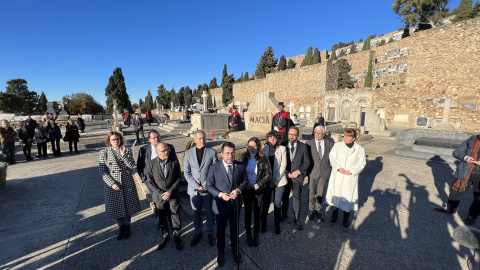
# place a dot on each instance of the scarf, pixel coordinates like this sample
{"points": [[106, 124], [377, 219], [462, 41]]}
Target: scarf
{"points": [[461, 185]]}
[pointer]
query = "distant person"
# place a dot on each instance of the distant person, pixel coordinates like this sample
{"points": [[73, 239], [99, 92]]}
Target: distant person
{"points": [[72, 135], [121, 199], [196, 165], [259, 174], [7, 138], [235, 120], [127, 119], [281, 122], [225, 181], [46, 118], [298, 162], [467, 174], [320, 122], [348, 160], [31, 125], [80, 124], [54, 136], [26, 140], [138, 125], [277, 157], [41, 138], [164, 175], [318, 179], [149, 117]]}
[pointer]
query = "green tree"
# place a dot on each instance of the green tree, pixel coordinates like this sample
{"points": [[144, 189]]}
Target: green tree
{"points": [[316, 59], [291, 64], [266, 64], [162, 96], [174, 98], [141, 105], [116, 89], [134, 106], [10, 103], [82, 103], [333, 53], [366, 44], [424, 13], [181, 96], [342, 53], [188, 97], [28, 100], [353, 49], [282, 63], [149, 101], [227, 85], [308, 60], [464, 11], [245, 77], [406, 32], [42, 103], [213, 83], [390, 40], [383, 42], [361, 40], [369, 76], [344, 79]]}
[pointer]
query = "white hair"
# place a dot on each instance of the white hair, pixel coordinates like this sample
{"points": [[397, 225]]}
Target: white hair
{"points": [[320, 127]]}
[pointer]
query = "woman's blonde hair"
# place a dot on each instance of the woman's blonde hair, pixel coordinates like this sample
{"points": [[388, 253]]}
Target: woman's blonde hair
{"points": [[351, 132]]}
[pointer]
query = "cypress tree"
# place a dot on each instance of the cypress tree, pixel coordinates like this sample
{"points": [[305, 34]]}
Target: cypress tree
{"points": [[344, 79], [366, 45], [245, 77], [316, 56], [308, 60], [353, 49], [149, 101], [42, 103], [266, 64], [369, 76], [333, 53], [116, 89], [213, 83], [282, 64], [162, 96], [464, 11], [342, 53], [291, 64]]}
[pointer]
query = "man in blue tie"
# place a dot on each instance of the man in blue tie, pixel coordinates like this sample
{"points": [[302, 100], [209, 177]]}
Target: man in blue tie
{"points": [[226, 180]]}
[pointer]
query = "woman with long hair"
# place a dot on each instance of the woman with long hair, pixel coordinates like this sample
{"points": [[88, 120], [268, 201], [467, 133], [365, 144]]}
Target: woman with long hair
{"points": [[25, 139], [54, 136], [277, 157], [348, 160], [121, 200], [72, 135], [259, 174]]}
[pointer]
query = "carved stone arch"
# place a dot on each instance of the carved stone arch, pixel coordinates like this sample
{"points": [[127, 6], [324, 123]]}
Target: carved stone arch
{"points": [[331, 106], [362, 102]]}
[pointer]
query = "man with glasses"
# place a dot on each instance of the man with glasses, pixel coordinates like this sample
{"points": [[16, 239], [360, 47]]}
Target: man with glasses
{"points": [[298, 161], [319, 149]]}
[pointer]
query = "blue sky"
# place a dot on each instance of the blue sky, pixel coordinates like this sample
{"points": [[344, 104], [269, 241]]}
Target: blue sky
{"points": [[64, 47]]}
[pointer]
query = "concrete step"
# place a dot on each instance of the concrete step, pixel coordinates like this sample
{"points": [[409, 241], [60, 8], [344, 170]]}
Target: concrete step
{"points": [[432, 150], [434, 157]]}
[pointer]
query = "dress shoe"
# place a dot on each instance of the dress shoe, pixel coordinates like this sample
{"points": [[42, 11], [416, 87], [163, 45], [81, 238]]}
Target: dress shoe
{"points": [[345, 222], [298, 224], [249, 240], [178, 242], [121, 230], [165, 239], [237, 257], [126, 232], [211, 240], [319, 216], [196, 238], [469, 220], [277, 228], [256, 240], [221, 259], [334, 216], [311, 215], [443, 209]]}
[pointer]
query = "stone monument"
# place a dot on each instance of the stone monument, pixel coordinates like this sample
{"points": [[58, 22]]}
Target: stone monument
{"points": [[260, 115], [50, 108], [205, 101], [445, 122]]}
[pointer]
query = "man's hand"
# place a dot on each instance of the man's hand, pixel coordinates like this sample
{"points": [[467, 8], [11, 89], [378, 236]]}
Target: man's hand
{"points": [[256, 186], [343, 171], [295, 174], [470, 160], [224, 196], [165, 196], [201, 190], [234, 193]]}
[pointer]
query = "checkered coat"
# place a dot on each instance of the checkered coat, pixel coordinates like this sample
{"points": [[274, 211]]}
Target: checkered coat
{"points": [[117, 170]]}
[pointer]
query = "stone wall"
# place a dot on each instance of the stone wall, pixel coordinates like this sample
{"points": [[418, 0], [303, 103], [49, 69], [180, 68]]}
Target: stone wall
{"points": [[216, 94]]}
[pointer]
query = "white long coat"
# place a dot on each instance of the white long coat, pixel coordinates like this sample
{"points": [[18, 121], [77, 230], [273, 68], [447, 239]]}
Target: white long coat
{"points": [[342, 189]]}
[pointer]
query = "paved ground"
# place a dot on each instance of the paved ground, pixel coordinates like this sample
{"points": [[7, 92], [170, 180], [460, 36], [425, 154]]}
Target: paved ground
{"points": [[52, 217]]}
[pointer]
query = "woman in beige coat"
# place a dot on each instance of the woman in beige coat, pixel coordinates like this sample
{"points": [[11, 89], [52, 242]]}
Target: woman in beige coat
{"points": [[277, 156], [348, 160]]}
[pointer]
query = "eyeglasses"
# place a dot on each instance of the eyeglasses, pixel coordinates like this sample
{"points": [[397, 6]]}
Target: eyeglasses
{"points": [[117, 139]]}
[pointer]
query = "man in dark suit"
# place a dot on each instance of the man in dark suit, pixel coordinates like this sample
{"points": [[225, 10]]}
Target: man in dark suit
{"points": [[319, 149], [298, 161], [225, 181], [138, 125], [320, 122], [281, 122], [164, 176], [196, 165]]}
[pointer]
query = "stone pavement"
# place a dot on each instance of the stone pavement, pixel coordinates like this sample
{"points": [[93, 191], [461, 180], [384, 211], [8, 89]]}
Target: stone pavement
{"points": [[52, 217]]}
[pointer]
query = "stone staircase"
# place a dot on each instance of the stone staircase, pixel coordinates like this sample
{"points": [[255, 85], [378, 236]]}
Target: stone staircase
{"points": [[175, 126]]}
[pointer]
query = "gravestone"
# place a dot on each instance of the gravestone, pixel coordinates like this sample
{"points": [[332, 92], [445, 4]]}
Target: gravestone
{"points": [[260, 114], [422, 121], [446, 104], [50, 108], [205, 101]]}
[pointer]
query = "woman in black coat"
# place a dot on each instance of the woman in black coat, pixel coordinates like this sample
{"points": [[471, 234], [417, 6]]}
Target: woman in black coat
{"points": [[26, 139], [72, 135], [259, 174], [54, 136]]}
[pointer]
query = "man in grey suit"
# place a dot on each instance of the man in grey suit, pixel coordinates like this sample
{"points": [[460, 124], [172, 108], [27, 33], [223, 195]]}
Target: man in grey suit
{"points": [[319, 148], [196, 165]]}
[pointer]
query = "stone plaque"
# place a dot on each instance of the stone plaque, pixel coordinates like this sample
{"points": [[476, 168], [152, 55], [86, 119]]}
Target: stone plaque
{"points": [[62, 117], [472, 106], [258, 121], [107, 116], [429, 100], [98, 117], [422, 121]]}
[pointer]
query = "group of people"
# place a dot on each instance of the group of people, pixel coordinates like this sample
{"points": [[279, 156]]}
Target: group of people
{"points": [[262, 175], [40, 133], [138, 124]]}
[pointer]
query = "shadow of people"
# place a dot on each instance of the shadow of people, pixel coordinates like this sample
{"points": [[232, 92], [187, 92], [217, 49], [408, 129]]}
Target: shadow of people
{"points": [[442, 174], [367, 178]]}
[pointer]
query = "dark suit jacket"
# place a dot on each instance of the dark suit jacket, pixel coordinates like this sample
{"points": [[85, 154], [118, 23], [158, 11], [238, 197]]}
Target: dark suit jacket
{"points": [[159, 183], [320, 167], [140, 124], [145, 156], [300, 162], [217, 182]]}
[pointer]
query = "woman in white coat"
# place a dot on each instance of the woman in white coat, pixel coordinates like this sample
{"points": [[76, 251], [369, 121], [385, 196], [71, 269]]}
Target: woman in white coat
{"points": [[277, 156], [348, 160]]}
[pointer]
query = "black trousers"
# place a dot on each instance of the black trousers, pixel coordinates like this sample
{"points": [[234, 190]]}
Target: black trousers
{"points": [[56, 147], [70, 145], [8, 152], [266, 200], [137, 131], [172, 207], [286, 197], [232, 217], [294, 185], [42, 149], [455, 196], [27, 150], [252, 199]]}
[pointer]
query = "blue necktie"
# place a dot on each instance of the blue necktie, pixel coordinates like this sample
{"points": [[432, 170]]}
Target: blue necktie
{"points": [[230, 172]]}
